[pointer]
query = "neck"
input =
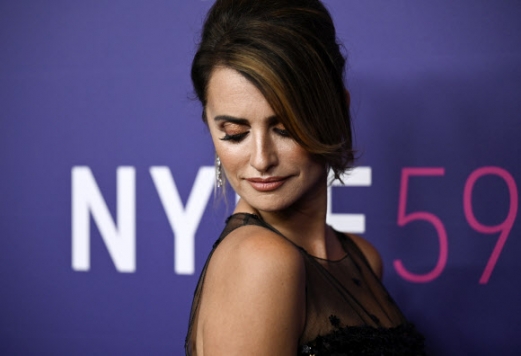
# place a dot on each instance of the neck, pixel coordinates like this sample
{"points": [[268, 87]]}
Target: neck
{"points": [[304, 223]]}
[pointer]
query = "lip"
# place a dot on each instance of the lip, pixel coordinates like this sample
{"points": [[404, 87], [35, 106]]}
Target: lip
{"points": [[266, 184]]}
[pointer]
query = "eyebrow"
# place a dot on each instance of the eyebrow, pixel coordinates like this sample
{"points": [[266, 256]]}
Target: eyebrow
{"points": [[241, 121], [235, 120]]}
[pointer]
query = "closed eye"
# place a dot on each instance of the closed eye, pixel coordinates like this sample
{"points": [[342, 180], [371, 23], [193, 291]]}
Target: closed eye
{"points": [[236, 137], [282, 132]]}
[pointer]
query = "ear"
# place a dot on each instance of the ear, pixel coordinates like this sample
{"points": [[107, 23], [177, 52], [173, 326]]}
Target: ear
{"points": [[348, 98]]}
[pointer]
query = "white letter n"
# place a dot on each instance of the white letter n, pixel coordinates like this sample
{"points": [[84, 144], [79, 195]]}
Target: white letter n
{"points": [[120, 238]]}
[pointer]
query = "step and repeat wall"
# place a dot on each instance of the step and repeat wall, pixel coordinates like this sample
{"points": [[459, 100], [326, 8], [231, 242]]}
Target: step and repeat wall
{"points": [[107, 207]]}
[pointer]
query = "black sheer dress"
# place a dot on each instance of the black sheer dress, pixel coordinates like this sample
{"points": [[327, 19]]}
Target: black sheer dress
{"points": [[348, 311]]}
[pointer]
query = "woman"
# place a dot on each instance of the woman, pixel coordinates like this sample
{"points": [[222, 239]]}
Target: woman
{"points": [[280, 281]]}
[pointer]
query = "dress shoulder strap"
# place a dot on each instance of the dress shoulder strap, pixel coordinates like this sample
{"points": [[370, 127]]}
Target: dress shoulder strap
{"points": [[242, 219]]}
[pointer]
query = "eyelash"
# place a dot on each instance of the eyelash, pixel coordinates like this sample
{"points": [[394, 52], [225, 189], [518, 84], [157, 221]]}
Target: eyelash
{"points": [[235, 138], [239, 137], [283, 133]]}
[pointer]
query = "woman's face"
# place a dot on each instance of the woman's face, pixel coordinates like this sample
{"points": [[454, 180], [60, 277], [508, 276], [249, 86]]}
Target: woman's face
{"points": [[264, 165]]}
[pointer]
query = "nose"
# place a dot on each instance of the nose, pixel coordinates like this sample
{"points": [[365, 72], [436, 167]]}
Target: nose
{"points": [[264, 154]]}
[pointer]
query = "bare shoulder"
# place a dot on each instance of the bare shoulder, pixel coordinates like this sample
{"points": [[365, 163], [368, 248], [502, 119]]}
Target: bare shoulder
{"points": [[253, 298], [257, 248], [370, 252]]}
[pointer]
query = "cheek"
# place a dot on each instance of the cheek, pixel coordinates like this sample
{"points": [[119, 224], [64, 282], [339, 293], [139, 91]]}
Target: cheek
{"points": [[232, 159], [311, 164], [296, 154]]}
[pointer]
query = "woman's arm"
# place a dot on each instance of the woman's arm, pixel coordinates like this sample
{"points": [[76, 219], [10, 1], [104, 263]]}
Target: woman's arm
{"points": [[253, 301]]}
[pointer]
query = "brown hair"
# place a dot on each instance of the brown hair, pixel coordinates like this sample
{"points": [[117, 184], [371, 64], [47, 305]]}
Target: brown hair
{"points": [[289, 51]]}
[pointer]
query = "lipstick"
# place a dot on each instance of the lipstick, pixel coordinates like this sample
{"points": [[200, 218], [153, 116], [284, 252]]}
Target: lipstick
{"points": [[266, 184]]}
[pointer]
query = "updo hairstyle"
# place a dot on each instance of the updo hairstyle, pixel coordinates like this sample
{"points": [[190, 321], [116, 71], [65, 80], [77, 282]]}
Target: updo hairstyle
{"points": [[289, 51]]}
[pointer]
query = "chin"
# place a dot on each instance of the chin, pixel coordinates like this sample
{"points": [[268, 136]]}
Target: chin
{"points": [[268, 203]]}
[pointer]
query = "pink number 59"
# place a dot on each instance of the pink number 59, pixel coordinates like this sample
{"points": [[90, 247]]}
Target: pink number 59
{"points": [[404, 218], [504, 227]]}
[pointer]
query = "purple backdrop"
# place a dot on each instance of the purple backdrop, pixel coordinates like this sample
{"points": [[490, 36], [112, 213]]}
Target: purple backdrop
{"points": [[106, 170]]}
